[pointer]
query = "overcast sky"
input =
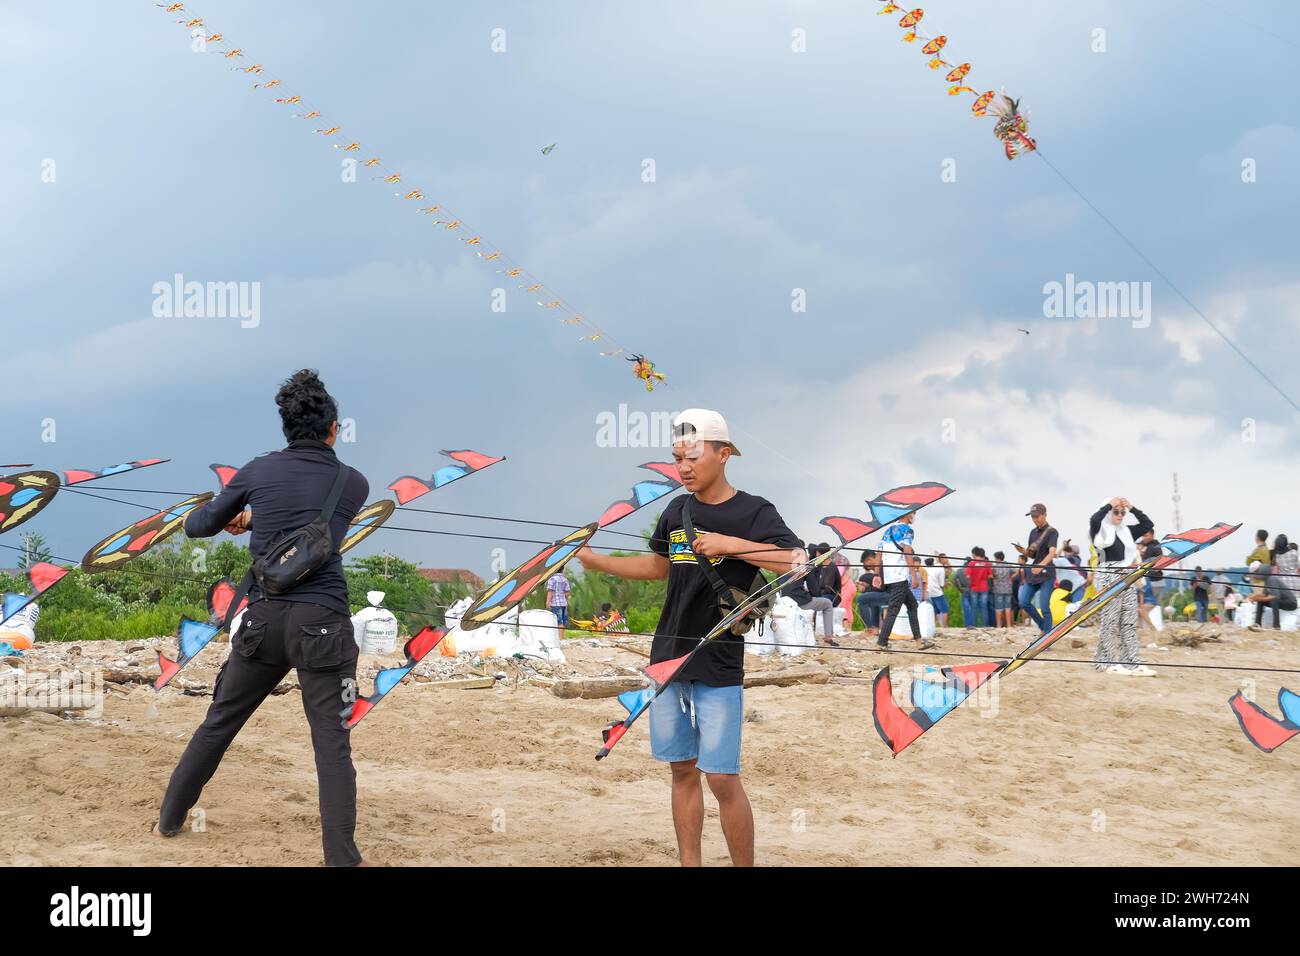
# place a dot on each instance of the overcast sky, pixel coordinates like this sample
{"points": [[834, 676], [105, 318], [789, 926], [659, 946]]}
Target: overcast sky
{"points": [[775, 171]]}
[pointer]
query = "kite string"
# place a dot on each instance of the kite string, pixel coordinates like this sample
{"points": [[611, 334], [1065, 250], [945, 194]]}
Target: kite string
{"points": [[614, 637], [430, 511], [516, 270], [910, 20], [893, 562], [119, 501], [1169, 282]]}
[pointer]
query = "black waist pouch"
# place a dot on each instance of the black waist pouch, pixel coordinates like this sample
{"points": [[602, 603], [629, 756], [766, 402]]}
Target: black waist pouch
{"points": [[296, 555]]}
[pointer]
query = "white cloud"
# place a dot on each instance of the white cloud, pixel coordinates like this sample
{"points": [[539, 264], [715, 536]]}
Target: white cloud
{"points": [[1275, 148], [1071, 448]]}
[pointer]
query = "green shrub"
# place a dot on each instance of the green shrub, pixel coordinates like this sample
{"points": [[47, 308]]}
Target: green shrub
{"points": [[88, 625], [955, 616], [642, 620], [148, 597]]}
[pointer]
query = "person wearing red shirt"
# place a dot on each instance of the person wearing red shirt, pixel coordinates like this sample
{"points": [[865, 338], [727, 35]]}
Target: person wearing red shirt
{"points": [[979, 571]]}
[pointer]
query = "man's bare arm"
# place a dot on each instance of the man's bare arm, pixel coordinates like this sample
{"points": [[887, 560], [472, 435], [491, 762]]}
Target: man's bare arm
{"points": [[636, 567], [769, 557]]}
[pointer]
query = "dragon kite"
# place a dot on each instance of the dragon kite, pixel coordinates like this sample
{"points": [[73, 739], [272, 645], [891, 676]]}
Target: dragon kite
{"points": [[1012, 127], [644, 369]]}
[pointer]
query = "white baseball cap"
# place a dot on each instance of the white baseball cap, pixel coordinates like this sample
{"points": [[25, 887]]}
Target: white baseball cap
{"points": [[701, 424]]}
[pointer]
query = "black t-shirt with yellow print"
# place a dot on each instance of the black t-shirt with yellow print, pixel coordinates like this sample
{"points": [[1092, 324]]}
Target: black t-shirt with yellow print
{"points": [[691, 607]]}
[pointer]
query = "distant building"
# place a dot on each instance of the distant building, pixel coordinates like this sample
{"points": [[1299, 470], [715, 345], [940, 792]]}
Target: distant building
{"points": [[451, 576]]}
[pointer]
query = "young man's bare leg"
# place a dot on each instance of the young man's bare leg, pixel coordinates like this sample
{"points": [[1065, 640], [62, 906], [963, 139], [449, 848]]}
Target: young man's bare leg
{"points": [[688, 811], [736, 815]]}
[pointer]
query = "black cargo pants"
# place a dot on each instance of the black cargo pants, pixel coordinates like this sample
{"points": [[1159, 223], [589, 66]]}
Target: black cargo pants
{"points": [[273, 637]]}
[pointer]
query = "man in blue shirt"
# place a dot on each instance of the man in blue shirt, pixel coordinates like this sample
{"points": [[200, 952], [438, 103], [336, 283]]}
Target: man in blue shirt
{"points": [[901, 572]]}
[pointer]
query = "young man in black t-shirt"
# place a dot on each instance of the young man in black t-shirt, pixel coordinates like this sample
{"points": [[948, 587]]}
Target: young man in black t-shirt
{"points": [[695, 723]]}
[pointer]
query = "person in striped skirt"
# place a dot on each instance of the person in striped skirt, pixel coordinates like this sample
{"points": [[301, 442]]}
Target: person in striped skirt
{"points": [[1115, 529]]}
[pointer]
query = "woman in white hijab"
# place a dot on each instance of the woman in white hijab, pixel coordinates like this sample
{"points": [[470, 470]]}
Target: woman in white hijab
{"points": [[1115, 528]]}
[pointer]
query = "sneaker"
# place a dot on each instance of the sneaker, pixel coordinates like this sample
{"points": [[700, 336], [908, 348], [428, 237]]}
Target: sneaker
{"points": [[926, 645], [1133, 670], [1117, 669], [882, 645]]}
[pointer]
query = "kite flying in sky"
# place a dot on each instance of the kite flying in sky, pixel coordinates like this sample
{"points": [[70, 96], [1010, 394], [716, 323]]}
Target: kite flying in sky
{"points": [[542, 295], [1012, 127]]}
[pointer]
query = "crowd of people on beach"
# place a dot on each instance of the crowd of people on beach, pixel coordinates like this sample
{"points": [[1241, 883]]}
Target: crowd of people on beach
{"points": [[1049, 578]]}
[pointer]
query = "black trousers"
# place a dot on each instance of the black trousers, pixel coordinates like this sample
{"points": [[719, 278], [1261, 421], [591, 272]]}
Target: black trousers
{"points": [[273, 637], [900, 594]]}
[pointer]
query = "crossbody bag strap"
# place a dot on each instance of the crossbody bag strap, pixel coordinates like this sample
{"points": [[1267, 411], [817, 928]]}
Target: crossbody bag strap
{"points": [[241, 592], [715, 580], [326, 515], [336, 492], [1041, 569]]}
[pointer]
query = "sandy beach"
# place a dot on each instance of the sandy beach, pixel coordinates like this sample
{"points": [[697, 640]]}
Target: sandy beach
{"points": [[1062, 766]]}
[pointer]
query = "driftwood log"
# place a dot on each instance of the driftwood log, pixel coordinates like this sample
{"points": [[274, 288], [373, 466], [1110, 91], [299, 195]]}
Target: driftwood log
{"points": [[591, 688], [788, 677], [464, 683]]}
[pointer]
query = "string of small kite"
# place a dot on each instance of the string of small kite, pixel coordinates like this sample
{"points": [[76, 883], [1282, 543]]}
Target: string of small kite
{"points": [[438, 213], [1012, 127]]}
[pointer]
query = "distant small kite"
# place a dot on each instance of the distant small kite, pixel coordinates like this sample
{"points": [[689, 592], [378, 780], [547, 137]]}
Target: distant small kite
{"points": [[546, 150]]}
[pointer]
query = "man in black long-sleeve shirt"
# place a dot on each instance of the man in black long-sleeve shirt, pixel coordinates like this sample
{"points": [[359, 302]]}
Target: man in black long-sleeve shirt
{"points": [[307, 627]]}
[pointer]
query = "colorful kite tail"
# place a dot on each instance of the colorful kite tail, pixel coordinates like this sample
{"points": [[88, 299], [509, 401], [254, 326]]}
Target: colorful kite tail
{"points": [[1263, 729], [932, 701]]}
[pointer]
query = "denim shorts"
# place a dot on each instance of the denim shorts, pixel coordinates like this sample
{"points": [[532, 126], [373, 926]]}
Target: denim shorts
{"points": [[693, 721], [940, 604], [1002, 602]]}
